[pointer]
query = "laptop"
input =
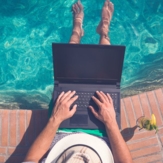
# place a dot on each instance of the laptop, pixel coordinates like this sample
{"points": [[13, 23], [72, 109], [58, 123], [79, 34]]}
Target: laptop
{"points": [[86, 69]]}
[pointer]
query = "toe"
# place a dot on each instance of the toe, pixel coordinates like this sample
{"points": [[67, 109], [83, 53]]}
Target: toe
{"points": [[75, 8], [111, 7], [106, 3], [80, 6]]}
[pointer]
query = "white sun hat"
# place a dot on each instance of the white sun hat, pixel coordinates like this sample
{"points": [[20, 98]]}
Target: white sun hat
{"points": [[80, 148]]}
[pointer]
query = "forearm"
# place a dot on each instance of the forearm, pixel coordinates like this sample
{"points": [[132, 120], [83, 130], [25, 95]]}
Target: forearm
{"points": [[119, 148], [42, 142]]}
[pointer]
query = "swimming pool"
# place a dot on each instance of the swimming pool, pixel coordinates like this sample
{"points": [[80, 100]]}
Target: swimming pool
{"points": [[28, 28]]}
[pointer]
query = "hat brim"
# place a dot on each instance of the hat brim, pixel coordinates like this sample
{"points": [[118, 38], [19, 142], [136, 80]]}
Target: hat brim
{"points": [[97, 144]]}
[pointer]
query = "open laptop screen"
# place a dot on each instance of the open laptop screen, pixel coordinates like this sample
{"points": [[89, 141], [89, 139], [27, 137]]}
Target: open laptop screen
{"points": [[88, 63]]}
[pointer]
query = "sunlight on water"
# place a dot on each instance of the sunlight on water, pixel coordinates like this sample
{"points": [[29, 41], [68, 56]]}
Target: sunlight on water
{"points": [[28, 28]]}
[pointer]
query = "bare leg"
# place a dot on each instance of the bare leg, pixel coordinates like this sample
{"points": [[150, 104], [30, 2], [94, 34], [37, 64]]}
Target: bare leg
{"points": [[78, 15], [103, 27]]}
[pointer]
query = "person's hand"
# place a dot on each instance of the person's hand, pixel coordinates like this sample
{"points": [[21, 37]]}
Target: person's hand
{"points": [[61, 109], [106, 113]]}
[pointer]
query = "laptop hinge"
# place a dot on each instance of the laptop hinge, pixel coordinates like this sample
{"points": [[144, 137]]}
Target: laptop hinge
{"points": [[118, 85], [56, 83]]}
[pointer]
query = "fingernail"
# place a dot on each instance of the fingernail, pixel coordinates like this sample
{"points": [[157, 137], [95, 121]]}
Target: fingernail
{"points": [[97, 91]]}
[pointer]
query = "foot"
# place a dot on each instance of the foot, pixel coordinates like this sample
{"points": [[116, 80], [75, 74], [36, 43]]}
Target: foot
{"points": [[107, 12], [78, 15]]}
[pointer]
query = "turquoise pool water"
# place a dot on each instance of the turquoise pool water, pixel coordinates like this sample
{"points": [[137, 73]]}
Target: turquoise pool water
{"points": [[27, 29]]}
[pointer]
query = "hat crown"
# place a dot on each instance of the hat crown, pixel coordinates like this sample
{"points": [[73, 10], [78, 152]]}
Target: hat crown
{"points": [[79, 158]]}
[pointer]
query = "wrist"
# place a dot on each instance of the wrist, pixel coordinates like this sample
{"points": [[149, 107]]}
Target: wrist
{"points": [[112, 125], [54, 122]]}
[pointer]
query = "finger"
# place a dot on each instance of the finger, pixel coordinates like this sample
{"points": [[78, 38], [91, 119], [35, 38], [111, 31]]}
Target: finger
{"points": [[104, 96], [96, 101], [109, 98], [72, 100], [69, 96], [59, 97], [100, 96], [65, 95], [73, 110], [93, 111]]}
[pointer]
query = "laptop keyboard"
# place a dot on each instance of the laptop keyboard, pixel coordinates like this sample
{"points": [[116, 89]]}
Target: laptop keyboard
{"points": [[84, 99]]}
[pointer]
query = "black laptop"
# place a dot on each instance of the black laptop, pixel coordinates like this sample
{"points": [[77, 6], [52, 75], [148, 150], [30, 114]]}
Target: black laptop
{"points": [[86, 69]]}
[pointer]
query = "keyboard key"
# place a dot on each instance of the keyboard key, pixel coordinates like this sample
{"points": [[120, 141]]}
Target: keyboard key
{"points": [[84, 99]]}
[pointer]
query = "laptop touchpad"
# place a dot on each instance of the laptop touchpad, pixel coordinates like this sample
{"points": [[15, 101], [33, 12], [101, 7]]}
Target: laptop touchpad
{"points": [[79, 119]]}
